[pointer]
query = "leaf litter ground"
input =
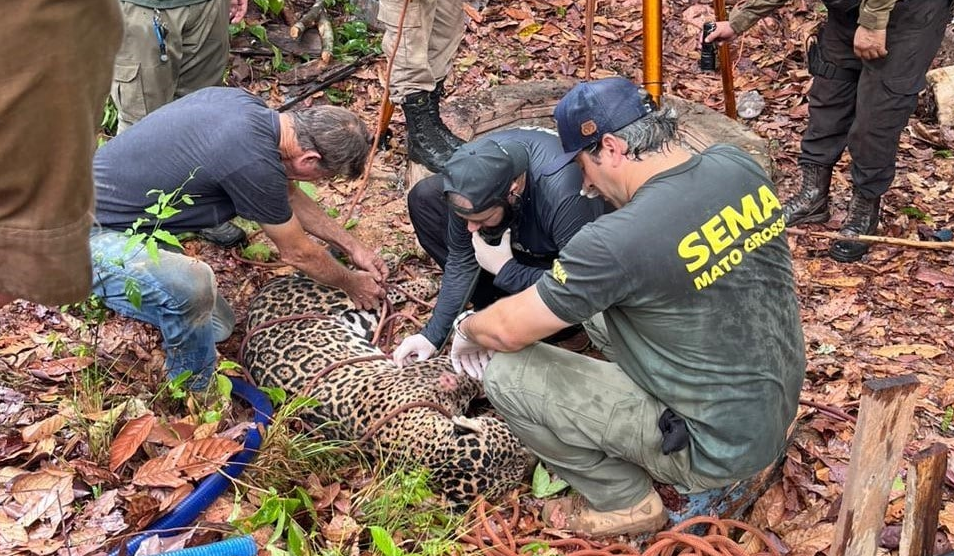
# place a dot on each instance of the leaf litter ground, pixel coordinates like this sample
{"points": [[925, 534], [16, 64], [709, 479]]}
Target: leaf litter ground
{"points": [[889, 315]]}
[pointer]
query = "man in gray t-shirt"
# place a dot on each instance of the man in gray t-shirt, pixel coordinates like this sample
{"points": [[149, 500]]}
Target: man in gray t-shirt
{"points": [[691, 279], [213, 155]]}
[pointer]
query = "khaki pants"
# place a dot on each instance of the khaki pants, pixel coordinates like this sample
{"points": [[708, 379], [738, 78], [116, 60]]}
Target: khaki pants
{"points": [[197, 44], [432, 32], [590, 423], [51, 104]]}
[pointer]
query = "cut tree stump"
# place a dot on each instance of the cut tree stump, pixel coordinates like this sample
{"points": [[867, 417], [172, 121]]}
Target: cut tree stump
{"points": [[884, 423], [922, 501]]}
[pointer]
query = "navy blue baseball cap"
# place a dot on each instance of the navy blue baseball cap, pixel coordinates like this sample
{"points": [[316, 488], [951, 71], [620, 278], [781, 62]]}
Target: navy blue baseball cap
{"points": [[592, 109], [482, 172]]}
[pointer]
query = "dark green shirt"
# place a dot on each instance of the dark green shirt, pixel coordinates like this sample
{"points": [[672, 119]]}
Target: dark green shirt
{"points": [[694, 279]]}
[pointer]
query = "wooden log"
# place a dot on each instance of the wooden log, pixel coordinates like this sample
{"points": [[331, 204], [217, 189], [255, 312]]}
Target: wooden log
{"points": [[309, 19], [884, 422], [922, 501]]}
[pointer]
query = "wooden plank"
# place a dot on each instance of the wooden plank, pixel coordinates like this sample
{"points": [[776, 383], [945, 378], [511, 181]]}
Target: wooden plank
{"points": [[922, 501], [884, 423]]}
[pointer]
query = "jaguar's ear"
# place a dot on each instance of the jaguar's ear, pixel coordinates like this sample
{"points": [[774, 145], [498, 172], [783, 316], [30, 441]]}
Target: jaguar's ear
{"points": [[466, 425]]}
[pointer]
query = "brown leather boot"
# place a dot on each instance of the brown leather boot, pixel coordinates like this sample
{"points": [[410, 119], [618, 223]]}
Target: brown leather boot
{"points": [[862, 219], [573, 513], [811, 202]]}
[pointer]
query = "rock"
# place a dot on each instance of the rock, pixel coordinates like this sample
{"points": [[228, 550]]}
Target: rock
{"points": [[941, 83]]}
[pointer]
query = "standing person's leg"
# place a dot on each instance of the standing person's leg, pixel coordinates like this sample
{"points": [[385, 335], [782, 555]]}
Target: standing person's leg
{"points": [[831, 110], [411, 71], [448, 30], [412, 79], [442, 49], [205, 46], [142, 80], [51, 104], [887, 96], [178, 295]]}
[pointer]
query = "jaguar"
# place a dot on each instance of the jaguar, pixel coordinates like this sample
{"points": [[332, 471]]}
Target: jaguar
{"points": [[310, 340]]}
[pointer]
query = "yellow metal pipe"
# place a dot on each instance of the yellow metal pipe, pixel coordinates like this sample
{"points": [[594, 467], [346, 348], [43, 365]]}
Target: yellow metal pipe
{"points": [[652, 48]]}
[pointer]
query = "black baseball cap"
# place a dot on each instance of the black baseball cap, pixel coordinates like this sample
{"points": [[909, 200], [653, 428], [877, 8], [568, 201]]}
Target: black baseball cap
{"points": [[482, 171], [592, 109]]}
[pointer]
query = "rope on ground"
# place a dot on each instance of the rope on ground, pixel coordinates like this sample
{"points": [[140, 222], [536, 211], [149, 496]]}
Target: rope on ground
{"points": [[493, 535]]}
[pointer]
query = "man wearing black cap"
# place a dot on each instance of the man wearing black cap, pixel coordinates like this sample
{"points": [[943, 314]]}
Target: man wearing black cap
{"points": [[691, 279], [494, 209]]}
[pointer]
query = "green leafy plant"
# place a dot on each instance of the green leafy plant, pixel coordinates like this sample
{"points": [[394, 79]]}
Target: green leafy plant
{"points": [[147, 233], [279, 513], [110, 118], [288, 455], [273, 7], [176, 386], [400, 503], [258, 252], [948, 419], [384, 542], [944, 153], [339, 96], [916, 213], [542, 486], [309, 189], [353, 38]]}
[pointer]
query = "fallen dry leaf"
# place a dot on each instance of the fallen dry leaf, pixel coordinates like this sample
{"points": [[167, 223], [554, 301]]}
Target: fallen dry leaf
{"points": [[43, 429], [194, 459], [47, 493], [808, 542], [924, 350], [129, 439]]}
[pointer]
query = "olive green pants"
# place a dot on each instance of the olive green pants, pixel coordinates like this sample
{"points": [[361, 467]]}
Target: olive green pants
{"points": [[51, 104], [432, 32], [197, 47], [590, 423]]}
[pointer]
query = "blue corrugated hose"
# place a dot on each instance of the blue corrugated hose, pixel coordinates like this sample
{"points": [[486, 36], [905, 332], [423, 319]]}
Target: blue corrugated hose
{"points": [[237, 546], [213, 485]]}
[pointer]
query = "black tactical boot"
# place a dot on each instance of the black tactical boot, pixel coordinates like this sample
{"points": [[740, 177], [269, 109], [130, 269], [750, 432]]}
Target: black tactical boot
{"points": [[425, 144], [436, 95], [862, 219], [811, 203], [226, 235]]}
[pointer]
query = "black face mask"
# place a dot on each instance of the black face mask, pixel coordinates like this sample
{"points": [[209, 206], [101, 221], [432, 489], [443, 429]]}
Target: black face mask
{"points": [[511, 215]]}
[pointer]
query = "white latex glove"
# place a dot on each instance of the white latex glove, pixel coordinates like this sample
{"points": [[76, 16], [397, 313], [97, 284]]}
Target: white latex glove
{"points": [[412, 349], [492, 257], [469, 357]]}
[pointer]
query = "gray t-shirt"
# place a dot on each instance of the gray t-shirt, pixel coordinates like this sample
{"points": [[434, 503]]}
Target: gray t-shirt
{"points": [[694, 279], [225, 138]]}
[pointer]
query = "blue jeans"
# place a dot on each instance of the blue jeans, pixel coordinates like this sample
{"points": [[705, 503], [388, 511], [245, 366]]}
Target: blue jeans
{"points": [[179, 296]]}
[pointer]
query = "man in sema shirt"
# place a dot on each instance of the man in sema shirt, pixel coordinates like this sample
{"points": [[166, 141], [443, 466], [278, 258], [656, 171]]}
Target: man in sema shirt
{"points": [[687, 287]]}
